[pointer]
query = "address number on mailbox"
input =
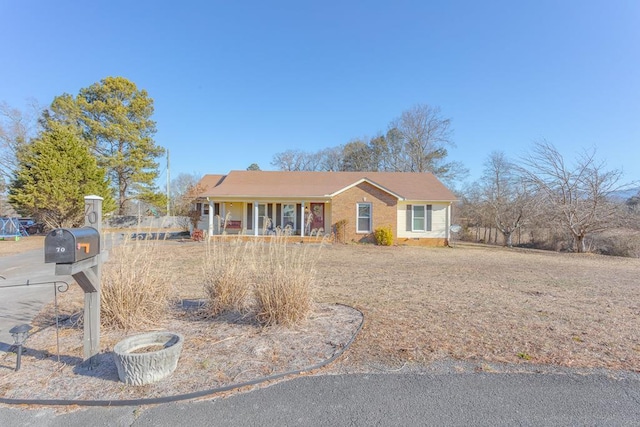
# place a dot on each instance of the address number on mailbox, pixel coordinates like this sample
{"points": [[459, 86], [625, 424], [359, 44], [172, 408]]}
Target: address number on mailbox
{"points": [[70, 245]]}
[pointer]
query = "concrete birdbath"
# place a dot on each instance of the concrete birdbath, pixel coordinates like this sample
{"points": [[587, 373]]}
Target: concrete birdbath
{"points": [[147, 358]]}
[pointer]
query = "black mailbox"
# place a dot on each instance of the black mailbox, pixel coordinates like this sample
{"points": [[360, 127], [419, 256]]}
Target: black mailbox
{"points": [[69, 245]]}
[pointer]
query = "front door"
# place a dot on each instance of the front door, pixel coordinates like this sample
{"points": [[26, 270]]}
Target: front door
{"points": [[317, 216]]}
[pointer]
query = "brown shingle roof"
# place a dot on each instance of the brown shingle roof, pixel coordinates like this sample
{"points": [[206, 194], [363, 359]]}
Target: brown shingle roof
{"points": [[210, 181], [405, 185]]}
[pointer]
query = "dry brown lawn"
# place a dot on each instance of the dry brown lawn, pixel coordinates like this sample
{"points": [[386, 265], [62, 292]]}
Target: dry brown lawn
{"points": [[488, 304], [473, 303], [23, 244]]}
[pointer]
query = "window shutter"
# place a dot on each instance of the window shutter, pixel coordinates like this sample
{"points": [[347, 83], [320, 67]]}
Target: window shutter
{"points": [[278, 215], [249, 216], [429, 214], [409, 218]]}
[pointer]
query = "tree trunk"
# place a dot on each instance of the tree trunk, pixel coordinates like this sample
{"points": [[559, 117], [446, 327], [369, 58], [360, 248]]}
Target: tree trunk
{"points": [[122, 194], [580, 244], [507, 239]]}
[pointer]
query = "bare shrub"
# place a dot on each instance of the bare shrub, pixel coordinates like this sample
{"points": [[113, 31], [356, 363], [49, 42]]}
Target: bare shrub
{"points": [[340, 231], [625, 243], [227, 278], [136, 290]]}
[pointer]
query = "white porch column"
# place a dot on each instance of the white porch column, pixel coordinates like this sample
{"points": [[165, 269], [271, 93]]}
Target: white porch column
{"points": [[255, 218], [210, 232], [303, 219]]}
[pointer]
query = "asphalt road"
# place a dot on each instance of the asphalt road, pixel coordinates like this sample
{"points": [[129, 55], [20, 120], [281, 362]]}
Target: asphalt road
{"points": [[479, 399]]}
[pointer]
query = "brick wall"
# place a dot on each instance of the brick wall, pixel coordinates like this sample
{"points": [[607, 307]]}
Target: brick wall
{"points": [[383, 210]]}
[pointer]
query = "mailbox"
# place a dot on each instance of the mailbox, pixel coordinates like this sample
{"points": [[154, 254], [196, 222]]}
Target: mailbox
{"points": [[70, 245]]}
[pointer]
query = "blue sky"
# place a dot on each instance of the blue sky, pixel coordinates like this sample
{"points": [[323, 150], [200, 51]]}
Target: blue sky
{"points": [[236, 82]]}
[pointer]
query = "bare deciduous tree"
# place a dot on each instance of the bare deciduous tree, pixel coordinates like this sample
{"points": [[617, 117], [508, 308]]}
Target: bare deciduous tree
{"points": [[330, 159], [509, 198], [16, 130], [417, 141], [296, 160], [425, 136], [184, 189], [578, 196]]}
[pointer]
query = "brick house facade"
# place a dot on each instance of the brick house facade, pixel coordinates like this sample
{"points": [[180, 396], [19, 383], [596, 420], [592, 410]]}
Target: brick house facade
{"points": [[383, 208], [416, 205]]}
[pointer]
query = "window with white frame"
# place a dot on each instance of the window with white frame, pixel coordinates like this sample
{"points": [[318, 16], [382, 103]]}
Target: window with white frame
{"points": [[363, 221], [289, 216], [421, 217]]}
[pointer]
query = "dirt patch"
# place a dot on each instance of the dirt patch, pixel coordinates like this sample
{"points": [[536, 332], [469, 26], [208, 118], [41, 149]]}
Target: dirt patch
{"points": [[216, 353]]}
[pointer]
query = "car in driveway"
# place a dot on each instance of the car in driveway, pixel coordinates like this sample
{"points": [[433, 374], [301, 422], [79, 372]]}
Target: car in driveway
{"points": [[31, 226]]}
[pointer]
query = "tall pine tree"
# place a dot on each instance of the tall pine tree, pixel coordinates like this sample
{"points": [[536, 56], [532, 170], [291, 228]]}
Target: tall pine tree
{"points": [[114, 117]]}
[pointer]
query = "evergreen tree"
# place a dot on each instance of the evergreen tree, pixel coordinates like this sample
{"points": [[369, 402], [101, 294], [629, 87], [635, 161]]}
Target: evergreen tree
{"points": [[55, 172], [114, 118]]}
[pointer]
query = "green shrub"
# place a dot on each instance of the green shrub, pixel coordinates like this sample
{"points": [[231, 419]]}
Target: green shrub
{"points": [[384, 235]]}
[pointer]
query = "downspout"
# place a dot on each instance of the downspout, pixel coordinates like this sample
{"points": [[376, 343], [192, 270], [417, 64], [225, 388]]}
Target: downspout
{"points": [[448, 224]]}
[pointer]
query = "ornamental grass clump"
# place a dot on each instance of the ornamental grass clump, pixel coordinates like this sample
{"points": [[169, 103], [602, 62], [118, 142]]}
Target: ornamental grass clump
{"points": [[269, 279], [227, 276], [283, 286], [283, 297], [136, 290]]}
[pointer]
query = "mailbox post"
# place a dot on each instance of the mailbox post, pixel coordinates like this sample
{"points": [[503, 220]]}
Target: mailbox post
{"points": [[77, 252]]}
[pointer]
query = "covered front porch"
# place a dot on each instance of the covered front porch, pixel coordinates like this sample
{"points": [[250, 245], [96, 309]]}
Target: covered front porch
{"points": [[301, 218]]}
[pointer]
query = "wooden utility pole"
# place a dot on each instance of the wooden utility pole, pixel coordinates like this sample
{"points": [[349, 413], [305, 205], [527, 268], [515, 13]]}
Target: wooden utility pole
{"points": [[168, 186]]}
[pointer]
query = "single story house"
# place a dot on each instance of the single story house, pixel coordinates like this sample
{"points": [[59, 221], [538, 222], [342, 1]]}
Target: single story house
{"points": [[416, 205]]}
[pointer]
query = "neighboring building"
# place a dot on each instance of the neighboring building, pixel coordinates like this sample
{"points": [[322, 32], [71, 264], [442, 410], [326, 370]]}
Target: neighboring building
{"points": [[416, 205]]}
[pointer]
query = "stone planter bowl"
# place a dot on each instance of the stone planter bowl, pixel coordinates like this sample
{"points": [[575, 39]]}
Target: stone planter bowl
{"points": [[147, 367]]}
